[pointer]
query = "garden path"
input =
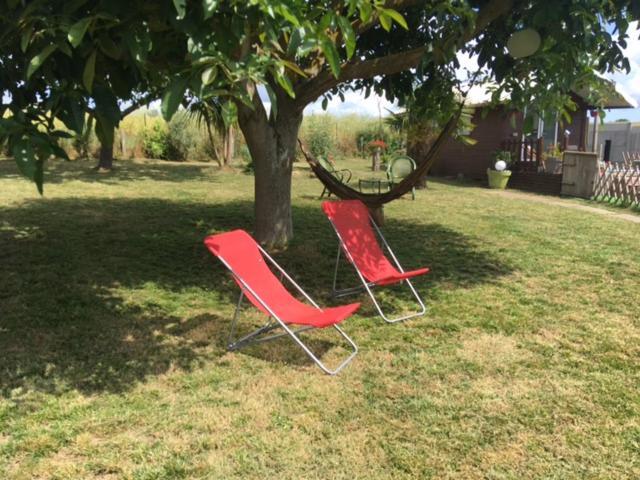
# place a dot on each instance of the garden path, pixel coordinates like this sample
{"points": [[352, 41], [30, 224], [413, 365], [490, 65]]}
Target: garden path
{"points": [[629, 217]]}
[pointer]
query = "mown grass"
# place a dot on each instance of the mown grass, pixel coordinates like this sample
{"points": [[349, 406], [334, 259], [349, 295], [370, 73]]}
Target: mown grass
{"points": [[113, 321]]}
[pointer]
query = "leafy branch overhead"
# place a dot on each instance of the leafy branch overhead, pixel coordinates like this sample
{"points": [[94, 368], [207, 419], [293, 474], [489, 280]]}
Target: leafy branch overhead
{"points": [[61, 60]]}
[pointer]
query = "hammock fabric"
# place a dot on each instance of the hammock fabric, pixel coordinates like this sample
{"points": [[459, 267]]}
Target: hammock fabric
{"points": [[373, 200]]}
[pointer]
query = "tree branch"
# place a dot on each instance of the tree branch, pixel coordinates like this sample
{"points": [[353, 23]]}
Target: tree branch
{"points": [[138, 103], [310, 90]]}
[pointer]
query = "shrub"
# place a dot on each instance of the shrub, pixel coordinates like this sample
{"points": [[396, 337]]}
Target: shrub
{"points": [[319, 137], [155, 142]]}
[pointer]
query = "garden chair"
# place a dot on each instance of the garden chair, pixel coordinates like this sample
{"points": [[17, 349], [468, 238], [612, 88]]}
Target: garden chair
{"points": [[355, 229], [246, 260], [399, 168], [343, 175]]}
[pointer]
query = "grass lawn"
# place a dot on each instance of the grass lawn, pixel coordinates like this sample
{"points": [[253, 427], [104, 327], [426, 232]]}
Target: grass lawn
{"points": [[113, 321]]}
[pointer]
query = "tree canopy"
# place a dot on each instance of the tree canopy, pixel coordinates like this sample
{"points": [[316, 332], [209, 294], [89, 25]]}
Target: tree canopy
{"points": [[60, 59]]}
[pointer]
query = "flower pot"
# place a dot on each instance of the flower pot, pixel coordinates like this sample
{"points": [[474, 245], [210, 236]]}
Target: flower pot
{"points": [[498, 179]]}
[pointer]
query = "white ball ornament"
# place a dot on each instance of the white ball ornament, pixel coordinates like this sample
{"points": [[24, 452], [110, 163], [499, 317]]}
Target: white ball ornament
{"points": [[501, 165]]}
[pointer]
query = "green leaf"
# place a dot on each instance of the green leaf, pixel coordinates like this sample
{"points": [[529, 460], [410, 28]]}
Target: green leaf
{"points": [[209, 75], [59, 152], [348, 35], [89, 72], [288, 15], [365, 12], [385, 21], [109, 47], [26, 38], [331, 54], [285, 83], [397, 17], [64, 47], [172, 97], [26, 158], [77, 31], [209, 7], [72, 115], [181, 7], [294, 42], [139, 43], [229, 113], [293, 67], [107, 104], [36, 62], [61, 134]]}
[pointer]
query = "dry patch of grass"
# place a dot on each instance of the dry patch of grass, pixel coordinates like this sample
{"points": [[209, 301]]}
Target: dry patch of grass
{"points": [[491, 351]]}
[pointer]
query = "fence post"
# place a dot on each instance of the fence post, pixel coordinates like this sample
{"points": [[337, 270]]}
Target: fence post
{"points": [[539, 148]]}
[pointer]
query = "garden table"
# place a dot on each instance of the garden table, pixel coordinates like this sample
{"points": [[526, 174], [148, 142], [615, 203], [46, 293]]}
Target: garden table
{"points": [[373, 184]]}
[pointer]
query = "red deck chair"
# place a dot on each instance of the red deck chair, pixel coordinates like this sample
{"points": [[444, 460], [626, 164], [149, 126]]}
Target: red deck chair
{"points": [[246, 260], [353, 225]]}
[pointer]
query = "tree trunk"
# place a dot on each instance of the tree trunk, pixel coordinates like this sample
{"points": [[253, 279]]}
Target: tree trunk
{"points": [[375, 160], [272, 144], [229, 145], [105, 160]]}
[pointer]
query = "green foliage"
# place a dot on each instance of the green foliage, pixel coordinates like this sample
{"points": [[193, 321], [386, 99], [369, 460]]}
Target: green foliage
{"points": [[156, 143], [319, 137], [179, 140], [186, 139], [249, 167], [391, 136], [90, 56]]}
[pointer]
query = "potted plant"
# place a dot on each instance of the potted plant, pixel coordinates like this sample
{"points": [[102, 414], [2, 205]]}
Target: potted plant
{"points": [[499, 174], [553, 160]]}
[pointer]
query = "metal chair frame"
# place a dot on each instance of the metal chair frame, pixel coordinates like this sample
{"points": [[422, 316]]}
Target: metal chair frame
{"points": [[255, 336], [339, 174], [393, 179], [367, 286]]}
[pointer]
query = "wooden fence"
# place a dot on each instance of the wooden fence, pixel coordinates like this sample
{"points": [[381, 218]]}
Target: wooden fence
{"points": [[526, 154], [631, 158], [619, 183]]}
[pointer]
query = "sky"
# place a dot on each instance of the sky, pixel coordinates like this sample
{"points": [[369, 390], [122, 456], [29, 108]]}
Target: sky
{"points": [[627, 84]]}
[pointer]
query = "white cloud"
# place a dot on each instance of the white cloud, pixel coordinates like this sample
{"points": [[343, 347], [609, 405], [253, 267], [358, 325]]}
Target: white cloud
{"points": [[354, 103]]}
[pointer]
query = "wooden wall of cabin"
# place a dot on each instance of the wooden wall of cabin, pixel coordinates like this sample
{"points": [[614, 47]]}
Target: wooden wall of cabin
{"points": [[472, 161]]}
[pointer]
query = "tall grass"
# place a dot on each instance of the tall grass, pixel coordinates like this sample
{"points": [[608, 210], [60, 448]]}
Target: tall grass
{"points": [[183, 139]]}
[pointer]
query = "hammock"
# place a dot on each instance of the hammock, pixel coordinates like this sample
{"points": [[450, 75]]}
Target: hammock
{"points": [[375, 200]]}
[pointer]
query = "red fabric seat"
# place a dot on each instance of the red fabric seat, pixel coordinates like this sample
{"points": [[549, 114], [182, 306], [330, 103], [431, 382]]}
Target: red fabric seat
{"points": [[240, 253], [351, 220]]}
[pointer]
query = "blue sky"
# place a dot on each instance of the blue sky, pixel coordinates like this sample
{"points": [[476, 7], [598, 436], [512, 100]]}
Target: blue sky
{"points": [[355, 103]]}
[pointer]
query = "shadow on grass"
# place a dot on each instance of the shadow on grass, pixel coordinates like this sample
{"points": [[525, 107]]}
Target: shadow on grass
{"points": [[59, 171], [99, 294]]}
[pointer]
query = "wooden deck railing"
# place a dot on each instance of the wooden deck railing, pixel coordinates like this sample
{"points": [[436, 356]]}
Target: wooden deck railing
{"points": [[526, 154]]}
